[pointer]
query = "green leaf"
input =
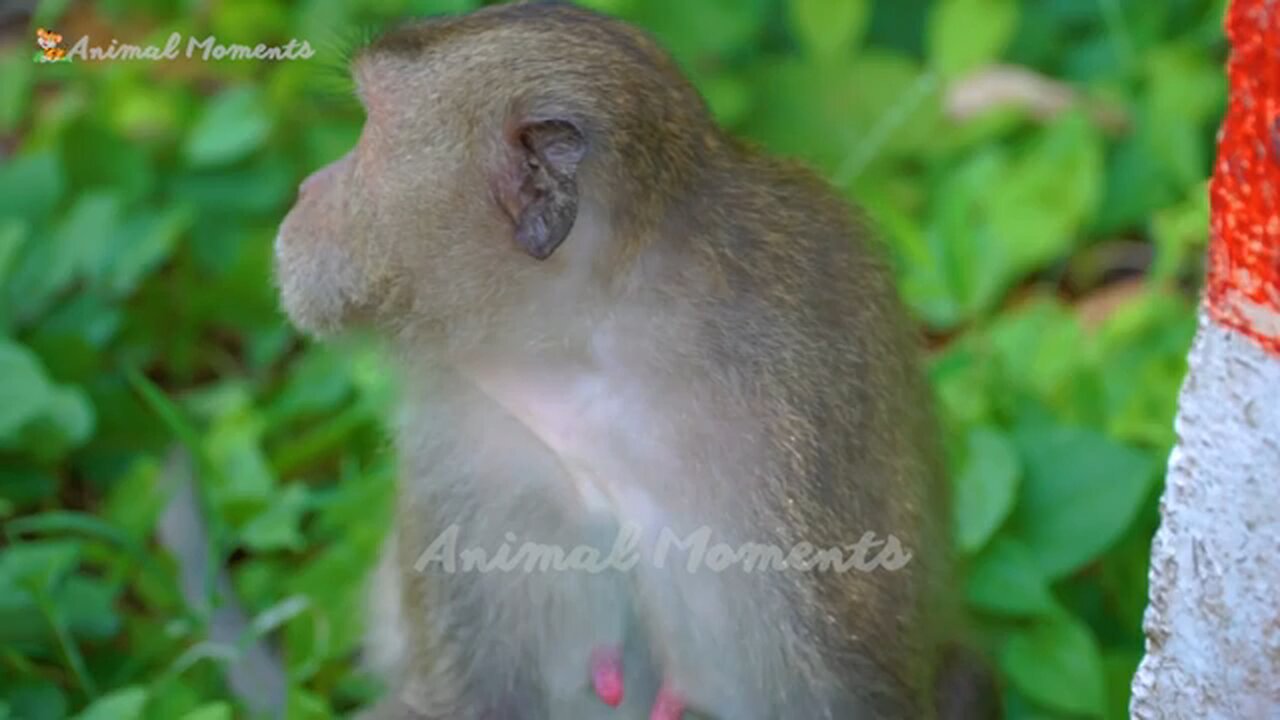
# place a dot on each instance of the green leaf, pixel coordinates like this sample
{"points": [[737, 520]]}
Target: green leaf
{"points": [[262, 185], [39, 564], [695, 31], [279, 527], [318, 382], [13, 234], [961, 380], [1039, 205], [123, 704], [1005, 580], [968, 264], [141, 244], [31, 405], [1186, 90], [1181, 233], [1040, 348], [966, 34], [829, 27], [94, 157], [244, 478], [211, 711], [16, 78], [1057, 662], [37, 700], [136, 500], [78, 248], [985, 488], [30, 187], [234, 124], [87, 605], [24, 392], [1143, 346], [843, 117], [1081, 491], [305, 705]]}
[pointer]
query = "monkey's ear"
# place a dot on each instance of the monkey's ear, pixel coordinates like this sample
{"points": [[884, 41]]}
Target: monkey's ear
{"points": [[546, 200]]}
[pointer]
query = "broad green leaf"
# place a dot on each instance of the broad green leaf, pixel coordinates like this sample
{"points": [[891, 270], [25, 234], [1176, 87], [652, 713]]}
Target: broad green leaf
{"points": [[30, 186], [1080, 492], [961, 382], [1137, 182], [985, 488], [244, 483], [1120, 668], [78, 248], [96, 158], [36, 700], [694, 32], [842, 117], [13, 233], [319, 382], [87, 605], [16, 78], [262, 185], [1186, 90], [967, 34], [141, 244], [306, 705], [137, 499], [1181, 233], [69, 421], [921, 276], [124, 704], [211, 711], [1143, 347], [974, 266], [1040, 348], [233, 125], [729, 96], [829, 27], [72, 336], [24, 392], [1057, 662], [25, 485], [33, 408], [1039, 205], [38, 565], [250, 21], [279, 526], [1005, 580]]}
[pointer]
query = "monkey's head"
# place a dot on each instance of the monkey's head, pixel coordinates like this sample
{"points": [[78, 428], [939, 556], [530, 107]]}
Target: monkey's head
{"points": [[508, 159]]}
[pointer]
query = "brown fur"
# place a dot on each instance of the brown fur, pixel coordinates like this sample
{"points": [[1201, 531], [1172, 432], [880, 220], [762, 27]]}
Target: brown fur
{"points": [[728, 299]]}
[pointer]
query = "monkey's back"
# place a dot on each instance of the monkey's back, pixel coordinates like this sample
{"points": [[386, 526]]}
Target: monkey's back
{"points": [[803, 311]]}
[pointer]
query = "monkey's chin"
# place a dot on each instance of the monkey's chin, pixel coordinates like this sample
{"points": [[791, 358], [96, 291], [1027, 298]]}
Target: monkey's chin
{"points": [[312, 297]]}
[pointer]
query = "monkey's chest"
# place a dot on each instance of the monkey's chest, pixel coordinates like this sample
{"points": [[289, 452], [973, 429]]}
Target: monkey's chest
{"points": [[608, 444]]}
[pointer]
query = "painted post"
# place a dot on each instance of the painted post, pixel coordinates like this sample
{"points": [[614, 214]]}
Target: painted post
{"points": [[1213, 622]]}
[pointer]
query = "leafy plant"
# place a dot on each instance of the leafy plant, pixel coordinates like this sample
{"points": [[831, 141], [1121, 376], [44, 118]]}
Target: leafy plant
{"points": [[1047, 235]]}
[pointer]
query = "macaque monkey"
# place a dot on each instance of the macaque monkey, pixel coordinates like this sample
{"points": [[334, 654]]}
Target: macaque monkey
{"points": [[626, 335]]}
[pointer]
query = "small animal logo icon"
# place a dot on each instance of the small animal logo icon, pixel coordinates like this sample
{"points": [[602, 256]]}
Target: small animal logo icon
{"points": [[50, 45]]}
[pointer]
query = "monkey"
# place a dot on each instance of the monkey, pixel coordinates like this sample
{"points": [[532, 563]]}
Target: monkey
{"points": [[628, 336]]}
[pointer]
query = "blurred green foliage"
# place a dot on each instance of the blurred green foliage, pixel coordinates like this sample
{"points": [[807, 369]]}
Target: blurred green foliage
{"points": [[1050, 249]]}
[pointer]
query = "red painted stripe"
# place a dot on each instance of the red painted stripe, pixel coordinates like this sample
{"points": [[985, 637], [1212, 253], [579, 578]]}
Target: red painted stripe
{"points": [[1243, 289]]}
